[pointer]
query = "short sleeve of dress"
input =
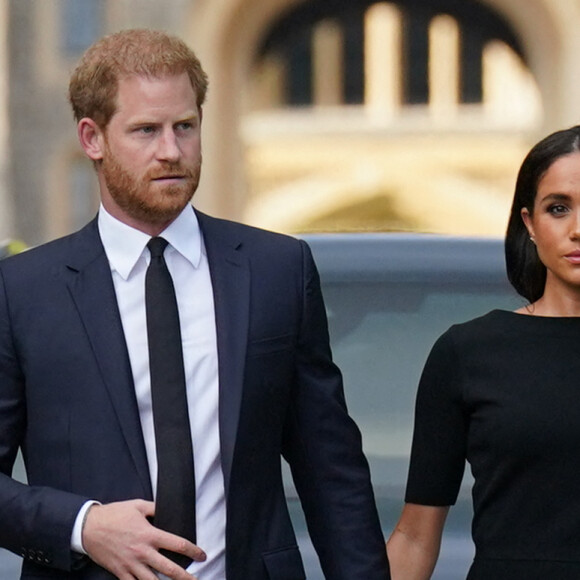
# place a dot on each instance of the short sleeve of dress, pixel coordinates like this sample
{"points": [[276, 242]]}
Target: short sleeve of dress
{"points": [[439, 438]]}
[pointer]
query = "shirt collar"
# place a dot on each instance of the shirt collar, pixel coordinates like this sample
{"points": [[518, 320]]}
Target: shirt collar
{"points": [[124, 245]]}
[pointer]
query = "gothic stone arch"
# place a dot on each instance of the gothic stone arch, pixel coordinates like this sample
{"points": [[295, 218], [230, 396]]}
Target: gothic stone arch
{"points": [[226, 33]]}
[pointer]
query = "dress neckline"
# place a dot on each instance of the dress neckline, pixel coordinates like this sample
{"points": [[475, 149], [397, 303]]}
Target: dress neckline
{"points": [[513, 313]]}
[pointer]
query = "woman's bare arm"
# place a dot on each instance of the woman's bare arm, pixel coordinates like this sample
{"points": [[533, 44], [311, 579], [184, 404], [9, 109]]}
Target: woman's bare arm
{"points": [[413, 547]]}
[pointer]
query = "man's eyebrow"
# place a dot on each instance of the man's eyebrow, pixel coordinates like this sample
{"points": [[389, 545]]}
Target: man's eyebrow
{"points": [[141, 121], [189, 117]]}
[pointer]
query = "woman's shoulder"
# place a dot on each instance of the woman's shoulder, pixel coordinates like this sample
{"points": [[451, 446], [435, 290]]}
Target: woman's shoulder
{"points": [[489, 322], [493, 326]]}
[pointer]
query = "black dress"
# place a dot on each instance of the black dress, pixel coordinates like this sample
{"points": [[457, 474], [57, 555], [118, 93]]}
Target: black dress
{"points": [[503, 392]]}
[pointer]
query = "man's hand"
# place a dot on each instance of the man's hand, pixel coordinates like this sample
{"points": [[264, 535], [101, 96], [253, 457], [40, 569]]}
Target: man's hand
{"points": [[118, 537]]}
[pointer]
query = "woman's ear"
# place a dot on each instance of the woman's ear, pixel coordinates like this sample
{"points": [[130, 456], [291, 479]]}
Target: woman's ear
{"points": [[527, 219], [91, 138]]}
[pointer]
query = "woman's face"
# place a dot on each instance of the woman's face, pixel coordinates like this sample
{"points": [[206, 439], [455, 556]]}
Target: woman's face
{"points": [[554, 224]]}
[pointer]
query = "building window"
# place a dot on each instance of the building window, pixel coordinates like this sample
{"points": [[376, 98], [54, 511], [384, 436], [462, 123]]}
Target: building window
{"points": [[82, 24]]}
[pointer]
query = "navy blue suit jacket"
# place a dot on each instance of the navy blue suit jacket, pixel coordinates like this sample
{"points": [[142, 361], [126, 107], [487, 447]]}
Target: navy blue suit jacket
{"points": [[67, 399]]}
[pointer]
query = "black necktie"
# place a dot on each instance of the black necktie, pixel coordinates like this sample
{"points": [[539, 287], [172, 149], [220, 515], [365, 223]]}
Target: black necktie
{"points": [[175, 498]]}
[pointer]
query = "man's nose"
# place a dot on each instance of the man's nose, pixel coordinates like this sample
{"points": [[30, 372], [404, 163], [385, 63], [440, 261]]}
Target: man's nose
{"points": [[168, 147]]}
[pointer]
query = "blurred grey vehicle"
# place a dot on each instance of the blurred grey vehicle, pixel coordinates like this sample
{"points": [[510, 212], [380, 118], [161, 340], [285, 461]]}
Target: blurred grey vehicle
{"points": [[389, 296]]}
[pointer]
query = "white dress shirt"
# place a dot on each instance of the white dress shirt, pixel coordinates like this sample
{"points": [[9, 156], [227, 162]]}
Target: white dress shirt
{"points": [[187, 262]]}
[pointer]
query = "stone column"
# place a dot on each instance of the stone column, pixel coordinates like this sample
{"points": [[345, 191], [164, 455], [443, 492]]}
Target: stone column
{"points": [[383, 60], [327, 59], [443, 68], [6, 225]]}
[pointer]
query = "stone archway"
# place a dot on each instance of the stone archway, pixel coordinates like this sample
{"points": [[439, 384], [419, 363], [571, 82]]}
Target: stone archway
{"points": [[225, 33], [548, 35]]}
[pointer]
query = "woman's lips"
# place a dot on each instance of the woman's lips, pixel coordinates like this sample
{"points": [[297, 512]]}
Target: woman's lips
{"points": [[573, 257]]}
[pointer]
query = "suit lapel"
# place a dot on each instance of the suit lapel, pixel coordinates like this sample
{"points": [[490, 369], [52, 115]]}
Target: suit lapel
{"points": [[230, 276], [92, 290], [91, 287]]}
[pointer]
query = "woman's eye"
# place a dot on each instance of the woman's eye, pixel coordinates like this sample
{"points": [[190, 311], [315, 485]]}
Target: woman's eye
{"points": [[557, 209]]}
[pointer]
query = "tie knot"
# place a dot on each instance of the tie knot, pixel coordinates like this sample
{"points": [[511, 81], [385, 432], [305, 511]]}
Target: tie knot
{"points": [[157, 246]]}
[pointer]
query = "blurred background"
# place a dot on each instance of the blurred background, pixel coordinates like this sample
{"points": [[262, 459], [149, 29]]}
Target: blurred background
{"points": [[323, 115]]}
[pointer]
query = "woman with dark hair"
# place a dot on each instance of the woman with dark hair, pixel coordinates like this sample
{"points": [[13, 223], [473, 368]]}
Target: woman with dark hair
{"points": [[503, 392], [525, 270]]}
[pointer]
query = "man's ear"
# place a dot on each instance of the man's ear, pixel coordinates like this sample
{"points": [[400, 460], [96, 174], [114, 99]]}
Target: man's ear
{"points": [[91, 138]]}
